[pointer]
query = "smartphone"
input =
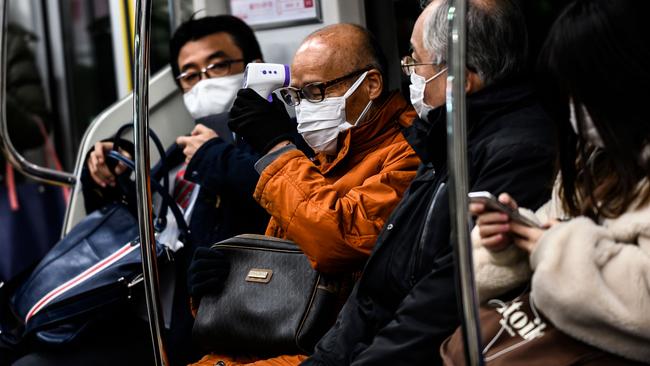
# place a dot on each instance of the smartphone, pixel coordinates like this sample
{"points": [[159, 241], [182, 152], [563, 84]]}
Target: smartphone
{"points": [[492, 204]]}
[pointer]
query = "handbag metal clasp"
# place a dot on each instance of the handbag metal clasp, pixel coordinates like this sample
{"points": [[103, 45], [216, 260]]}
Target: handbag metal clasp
{"points": [[259, 275]]}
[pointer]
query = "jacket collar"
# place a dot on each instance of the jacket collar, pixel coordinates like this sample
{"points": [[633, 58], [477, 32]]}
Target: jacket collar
{"points": [[429, 138], [384, 122]]}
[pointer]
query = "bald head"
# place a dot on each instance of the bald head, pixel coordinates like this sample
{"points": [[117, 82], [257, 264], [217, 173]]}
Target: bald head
{"points": [[339, 49], [352, 46]]}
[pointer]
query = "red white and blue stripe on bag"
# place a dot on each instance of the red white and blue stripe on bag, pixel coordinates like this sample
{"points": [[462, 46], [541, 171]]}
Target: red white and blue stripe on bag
{"points": [[81, 278]]}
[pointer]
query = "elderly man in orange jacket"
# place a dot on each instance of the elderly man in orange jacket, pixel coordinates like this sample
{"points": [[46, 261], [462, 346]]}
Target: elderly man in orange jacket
{"points": [[335, 205]]}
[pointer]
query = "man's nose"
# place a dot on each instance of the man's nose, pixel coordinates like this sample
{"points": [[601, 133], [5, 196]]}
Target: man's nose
{"points": [[204, 74]]}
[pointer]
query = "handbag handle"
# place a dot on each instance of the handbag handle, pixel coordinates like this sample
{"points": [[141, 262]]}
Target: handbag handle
{"points": [[161, 219], [168, 201], [117, 142]]}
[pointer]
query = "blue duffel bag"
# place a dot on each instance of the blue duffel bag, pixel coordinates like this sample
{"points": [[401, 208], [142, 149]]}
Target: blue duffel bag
{"points": [[92, 270]]}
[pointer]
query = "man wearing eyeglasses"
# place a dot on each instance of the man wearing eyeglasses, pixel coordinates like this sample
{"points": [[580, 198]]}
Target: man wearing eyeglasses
{"points": [[332, 207], [404, 305]]}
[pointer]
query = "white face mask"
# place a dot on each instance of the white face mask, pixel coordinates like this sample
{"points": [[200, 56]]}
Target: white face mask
{"points": [[320, 123], [588, 127], [418, 83], [213, 96]]}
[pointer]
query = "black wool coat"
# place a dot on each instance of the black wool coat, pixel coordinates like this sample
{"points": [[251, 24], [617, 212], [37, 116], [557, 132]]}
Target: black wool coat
{"points": [[405, 304]]}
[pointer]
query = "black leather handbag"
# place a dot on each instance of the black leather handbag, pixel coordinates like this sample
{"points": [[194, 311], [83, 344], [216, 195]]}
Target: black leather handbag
{"points": [[273, 301]]}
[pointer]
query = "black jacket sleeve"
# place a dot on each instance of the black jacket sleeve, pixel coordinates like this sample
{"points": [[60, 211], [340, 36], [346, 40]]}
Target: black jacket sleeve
{"points": [[225, 205], [422, 322], [525, 171], [219, 166]]}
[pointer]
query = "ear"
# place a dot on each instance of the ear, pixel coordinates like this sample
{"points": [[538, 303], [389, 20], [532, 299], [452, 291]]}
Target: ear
{"points": [[473, 82], [374, 84]]}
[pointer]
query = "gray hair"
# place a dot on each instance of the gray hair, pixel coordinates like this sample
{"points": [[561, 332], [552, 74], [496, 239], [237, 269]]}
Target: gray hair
{"points": [[497, 39]]}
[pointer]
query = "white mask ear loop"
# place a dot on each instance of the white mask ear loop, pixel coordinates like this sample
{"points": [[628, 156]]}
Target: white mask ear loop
{"points": [[351, 91], [354, 86], [436, 75], [363, 113]]}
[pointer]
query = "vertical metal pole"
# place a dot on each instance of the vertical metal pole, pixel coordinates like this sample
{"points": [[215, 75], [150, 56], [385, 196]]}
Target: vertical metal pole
{"points": [[175, 11], [12, 155], [459, 181], [142, 174]]}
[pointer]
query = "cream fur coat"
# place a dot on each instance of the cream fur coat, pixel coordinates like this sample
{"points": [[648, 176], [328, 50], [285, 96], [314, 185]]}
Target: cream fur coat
{"points": [[591, 280]]}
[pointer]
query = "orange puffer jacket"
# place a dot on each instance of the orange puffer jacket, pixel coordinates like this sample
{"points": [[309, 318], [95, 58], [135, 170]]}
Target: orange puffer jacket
{"points": [[335, 207]]}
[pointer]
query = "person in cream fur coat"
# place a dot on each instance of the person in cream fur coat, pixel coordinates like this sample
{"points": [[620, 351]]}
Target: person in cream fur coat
{"points": [[589, 265], [592, 280]]}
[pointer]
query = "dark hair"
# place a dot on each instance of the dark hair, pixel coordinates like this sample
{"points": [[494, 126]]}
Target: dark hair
{"points": [[195, 29], [497, 38], [597, 55]]}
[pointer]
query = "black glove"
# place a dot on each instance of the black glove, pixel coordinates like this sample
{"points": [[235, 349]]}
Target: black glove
{"points": [[208, 272], [262, 124]]}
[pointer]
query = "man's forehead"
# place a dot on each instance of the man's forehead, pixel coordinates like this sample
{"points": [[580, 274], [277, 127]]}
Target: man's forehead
{"points": [[319, 59], [213, 45], [314, 61]]}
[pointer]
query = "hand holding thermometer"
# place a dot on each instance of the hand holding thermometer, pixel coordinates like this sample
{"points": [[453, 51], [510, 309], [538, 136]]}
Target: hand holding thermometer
{"points": [[264, 78], [492, 204]]}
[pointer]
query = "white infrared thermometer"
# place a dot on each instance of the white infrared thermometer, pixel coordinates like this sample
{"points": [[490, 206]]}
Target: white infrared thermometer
{"points": [[264, 78]]}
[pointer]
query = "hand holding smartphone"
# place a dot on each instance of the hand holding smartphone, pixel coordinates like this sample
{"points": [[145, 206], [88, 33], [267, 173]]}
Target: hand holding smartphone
{"points": [[492, 204]]}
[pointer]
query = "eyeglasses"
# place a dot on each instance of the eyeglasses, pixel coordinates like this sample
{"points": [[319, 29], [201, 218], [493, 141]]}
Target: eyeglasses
{"points": [[314, 92], [218, 69], [409, 63]]}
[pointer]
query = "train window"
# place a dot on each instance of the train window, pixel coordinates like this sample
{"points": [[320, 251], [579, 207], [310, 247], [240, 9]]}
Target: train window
{"points": [[84, 52], [88, 52]]}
